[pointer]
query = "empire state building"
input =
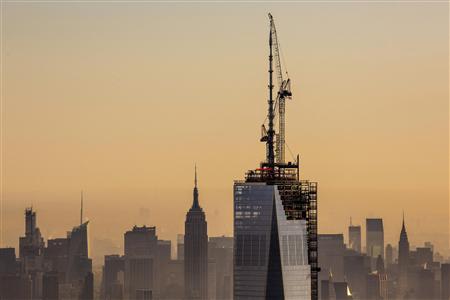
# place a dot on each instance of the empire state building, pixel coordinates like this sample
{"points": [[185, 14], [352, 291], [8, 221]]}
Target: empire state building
{"points": [[196, 250]]}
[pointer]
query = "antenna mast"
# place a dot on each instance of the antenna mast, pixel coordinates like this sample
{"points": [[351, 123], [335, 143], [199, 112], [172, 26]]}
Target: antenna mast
{"points": [[81, 210]]}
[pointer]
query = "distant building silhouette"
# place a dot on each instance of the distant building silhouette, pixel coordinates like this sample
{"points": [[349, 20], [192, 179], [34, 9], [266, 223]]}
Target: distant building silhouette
{"points": [[445, 281], [403, 261], [374, 238], [331, 256], [196, 250], [354, 237], [180, 246], [113, 267], [32, 244], [220, 250], [139, 260], [389, 252]]}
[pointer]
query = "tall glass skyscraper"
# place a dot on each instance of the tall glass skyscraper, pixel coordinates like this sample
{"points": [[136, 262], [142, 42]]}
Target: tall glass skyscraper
{"points": [[274, 230], [275, 215], [375, 238]]}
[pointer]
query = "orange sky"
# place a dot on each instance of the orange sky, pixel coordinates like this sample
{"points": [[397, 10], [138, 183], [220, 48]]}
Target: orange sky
{"points": [[120, 100]]}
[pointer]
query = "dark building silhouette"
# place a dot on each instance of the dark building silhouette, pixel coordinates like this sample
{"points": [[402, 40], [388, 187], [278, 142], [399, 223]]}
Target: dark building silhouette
{"points": [[374, 238], [373, 286], [114, 264], [140, 260], [423, 256], [220, 250], [56, 256], [16, 287], [8, 263], [79, 263], [389, 252], [354, 237], [174, 284], [162, 263], [32, 244], [196, 250], [50, 286], [445, 281], [331, 256], [180, 247], [355, 269], [141, 241], [403, 261]]}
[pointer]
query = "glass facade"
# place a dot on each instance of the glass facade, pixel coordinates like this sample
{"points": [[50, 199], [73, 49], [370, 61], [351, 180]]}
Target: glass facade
{"points": [[270, 251]]}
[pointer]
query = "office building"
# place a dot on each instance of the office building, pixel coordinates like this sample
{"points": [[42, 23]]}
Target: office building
{"points": [[140, 260], [354, 237], [374, 238]]}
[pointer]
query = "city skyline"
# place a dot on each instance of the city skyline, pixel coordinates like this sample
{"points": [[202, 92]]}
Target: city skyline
{"points": [[110, 133]]}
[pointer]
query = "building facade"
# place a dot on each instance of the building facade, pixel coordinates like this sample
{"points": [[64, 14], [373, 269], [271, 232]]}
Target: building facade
{"points": [[272, 238]]}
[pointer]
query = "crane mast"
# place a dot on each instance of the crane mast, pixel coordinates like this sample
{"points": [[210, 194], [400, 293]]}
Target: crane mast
{"points": [[284, 92]]}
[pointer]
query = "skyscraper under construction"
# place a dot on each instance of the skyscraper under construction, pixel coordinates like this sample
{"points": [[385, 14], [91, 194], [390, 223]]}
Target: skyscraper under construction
{"points": [[275, 213]]}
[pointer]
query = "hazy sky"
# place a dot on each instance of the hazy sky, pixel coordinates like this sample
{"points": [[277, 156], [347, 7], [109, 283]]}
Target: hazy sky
{"points": [[121, 99]]}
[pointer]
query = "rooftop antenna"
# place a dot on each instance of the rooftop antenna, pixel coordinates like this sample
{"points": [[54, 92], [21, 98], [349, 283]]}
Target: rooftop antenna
{"points": [[195, 203], [81, 210], [195, 176]]}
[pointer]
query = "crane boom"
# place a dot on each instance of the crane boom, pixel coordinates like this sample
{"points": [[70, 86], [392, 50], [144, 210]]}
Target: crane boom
{"points": [[284, 91]]}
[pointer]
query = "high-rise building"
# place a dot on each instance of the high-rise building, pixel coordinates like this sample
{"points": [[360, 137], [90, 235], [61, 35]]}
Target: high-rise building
{"points": [[140, 241], [114, 264], [389, 255], [196, 250], [139, 275], [8, 264], [32, 244], [354, 237], [403, 261], [164, 249], [180, 246], [356, 267], [374, 238], [56, 256], [275, 216], [331, 256], [445, 281], [140, 260], [220, 250], [79, 263]]}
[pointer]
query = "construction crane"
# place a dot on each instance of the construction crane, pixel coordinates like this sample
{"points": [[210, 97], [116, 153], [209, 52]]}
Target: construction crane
{"points": [[284, 92]]}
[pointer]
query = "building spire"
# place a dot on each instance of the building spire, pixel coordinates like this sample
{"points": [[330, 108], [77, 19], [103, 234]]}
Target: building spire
{"points": [[81, 209], [195, 177], [195, 202], [403, 221], [403, 234]]}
